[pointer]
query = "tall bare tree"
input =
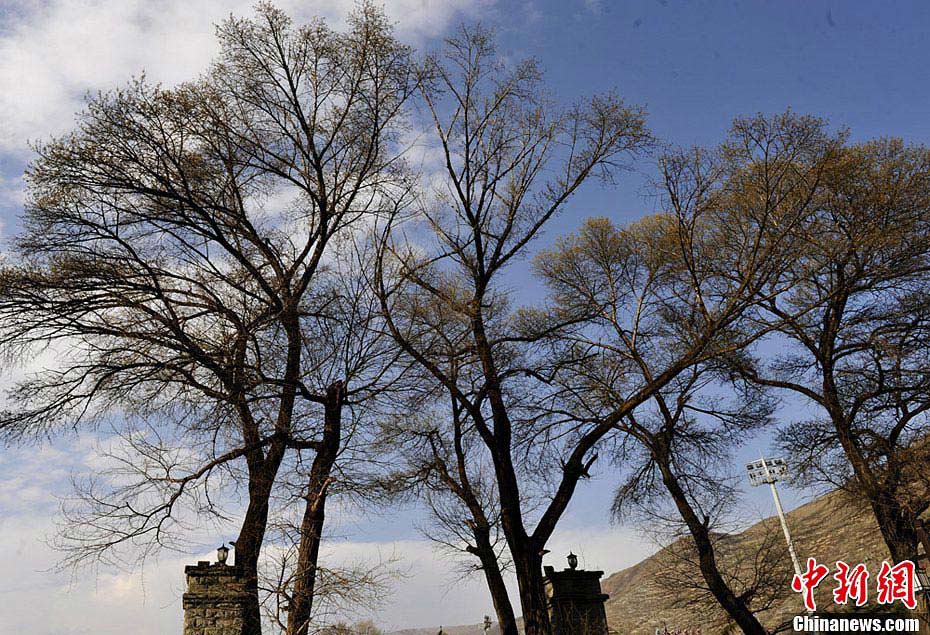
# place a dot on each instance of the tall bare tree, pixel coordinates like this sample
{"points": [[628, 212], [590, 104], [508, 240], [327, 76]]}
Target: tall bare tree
{"points": [[853, 335], [676, 453], [443, 463], [350, 359], [512, 159], [173, 244], [660, 304], [758, 572]]}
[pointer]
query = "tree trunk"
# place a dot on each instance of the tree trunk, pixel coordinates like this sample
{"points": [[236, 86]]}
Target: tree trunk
{"points": [[495, 580], [528, 566], [481, 531], [897, 525], [263, 470], [700, 533], [249, 543], [526, 554], [311, 527], [527, 557], [898, 530]]}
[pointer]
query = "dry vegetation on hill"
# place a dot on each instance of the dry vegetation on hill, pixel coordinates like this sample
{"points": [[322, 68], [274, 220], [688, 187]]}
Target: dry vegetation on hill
{"points": [[829, 528]]}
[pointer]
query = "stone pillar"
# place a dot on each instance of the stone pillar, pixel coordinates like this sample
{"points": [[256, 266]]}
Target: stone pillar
{"points": [[215, 600], [576, 603]]}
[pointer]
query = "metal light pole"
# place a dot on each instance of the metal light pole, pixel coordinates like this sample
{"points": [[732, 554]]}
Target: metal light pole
{"points": [[768, 472]]}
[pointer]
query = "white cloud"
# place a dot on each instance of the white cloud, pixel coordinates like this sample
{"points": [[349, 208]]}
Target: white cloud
{"points": [[12, 189], [52, 53], [11, 195], [600, 547], [431, 594], [37, 600]]}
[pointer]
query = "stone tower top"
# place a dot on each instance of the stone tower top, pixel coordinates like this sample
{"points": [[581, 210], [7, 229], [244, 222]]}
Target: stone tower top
{"points": [[215, 599], [576, 602]]}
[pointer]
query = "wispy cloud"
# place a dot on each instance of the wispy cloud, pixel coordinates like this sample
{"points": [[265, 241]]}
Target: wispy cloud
{"points": [[594, 6], [52, 53], [37, 599]]}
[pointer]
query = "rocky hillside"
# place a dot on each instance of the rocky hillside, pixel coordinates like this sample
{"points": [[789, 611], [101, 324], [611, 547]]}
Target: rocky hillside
{"points": [[663, 589], [830, 528]]}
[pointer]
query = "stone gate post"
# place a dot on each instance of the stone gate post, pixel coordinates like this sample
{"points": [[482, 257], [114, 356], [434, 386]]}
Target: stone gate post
{"points": [[215, 599], [576, 603]]}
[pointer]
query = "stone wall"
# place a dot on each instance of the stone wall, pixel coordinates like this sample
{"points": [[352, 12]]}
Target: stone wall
{"points": [[576, 603], [215, 600]]}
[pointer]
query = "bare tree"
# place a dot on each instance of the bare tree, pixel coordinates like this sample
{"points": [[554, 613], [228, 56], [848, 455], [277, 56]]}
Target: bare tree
{"points": [[346, 589], [661, 303], [173, 244], [349, 358], [759, 572], [512, 159], [854, 332], [676, 454], [441, 464]]}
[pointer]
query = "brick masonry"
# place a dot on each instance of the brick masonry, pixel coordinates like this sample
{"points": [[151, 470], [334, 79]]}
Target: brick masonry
{"points": [[216, 597], [576, 602], [215, 600]]}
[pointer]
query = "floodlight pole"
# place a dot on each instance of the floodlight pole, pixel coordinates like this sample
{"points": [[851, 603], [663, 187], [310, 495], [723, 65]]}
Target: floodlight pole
{"points": [[771, 479], [781, 517]]}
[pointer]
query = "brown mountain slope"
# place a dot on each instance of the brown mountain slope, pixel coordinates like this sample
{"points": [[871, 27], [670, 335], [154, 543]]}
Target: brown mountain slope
{"points": [[829, 528]]}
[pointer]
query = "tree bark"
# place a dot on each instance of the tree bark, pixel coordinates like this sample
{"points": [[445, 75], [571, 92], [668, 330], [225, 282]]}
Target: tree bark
{"points": [[707, 560], [262, 475], [527, 556], [528, 566], [495, 580], [311, 528], [896, 524], [897, 529]]}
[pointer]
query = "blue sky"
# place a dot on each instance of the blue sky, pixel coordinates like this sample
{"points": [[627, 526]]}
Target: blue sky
{"points": [[693, 65]]}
